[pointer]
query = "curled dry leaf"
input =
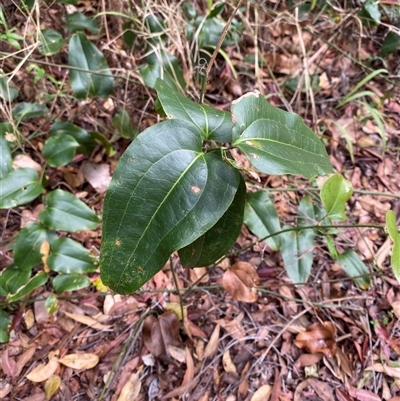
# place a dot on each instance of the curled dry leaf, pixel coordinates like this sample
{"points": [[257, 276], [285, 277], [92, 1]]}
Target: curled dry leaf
{"points": [[89, 321], [131, 388], [43, 371], [159, 333], [98, 175], [318, 338], [24, 161], [51, 386], [229, 366], [80, 361], [212, 345], [239, 282]]}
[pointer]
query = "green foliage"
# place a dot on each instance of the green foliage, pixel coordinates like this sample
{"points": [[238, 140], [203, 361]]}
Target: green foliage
{"points": [[351, 263], [394, 235], [51, 42], [175, 192], [123, 124]]}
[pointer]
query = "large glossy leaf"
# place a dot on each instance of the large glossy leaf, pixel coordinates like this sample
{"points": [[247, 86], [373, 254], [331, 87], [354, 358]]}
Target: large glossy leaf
{"points": [[35, 282], [261, 217], [19, 187], [27, 246], [70, 282], [208, 248], [84, 55], [165, 193], [275, 141], [59, 150], [66, 212], [6, 158], [68, 256], [351, 263], [335, 192], [85, 140], [215, 124]]}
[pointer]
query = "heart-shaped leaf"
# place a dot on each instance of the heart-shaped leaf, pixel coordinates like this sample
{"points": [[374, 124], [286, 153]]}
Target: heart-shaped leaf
{"points": [[68, 256], [70, 282], [84, 55], [215, 124], [19, 187], [261, 217], [275, 141], [165, 193], [219, 239], [66, 212], [27, 246], [335, 192], [59, 150]]}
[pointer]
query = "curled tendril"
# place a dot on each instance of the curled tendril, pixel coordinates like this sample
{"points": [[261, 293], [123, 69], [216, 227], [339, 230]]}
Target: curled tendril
{"points": [[202, 66]]}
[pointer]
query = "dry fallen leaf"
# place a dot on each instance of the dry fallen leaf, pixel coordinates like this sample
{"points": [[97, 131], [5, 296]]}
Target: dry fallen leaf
{"points": [[318, 338], [80, 361], [51, 386], [24, 161], [93, 323], [43, 371], [159, 333], [239, 282], [262, 394], [212, 345], [229, 366], [98, 175], [24, 359], [8, 364], [131, 388], [44, 251]]}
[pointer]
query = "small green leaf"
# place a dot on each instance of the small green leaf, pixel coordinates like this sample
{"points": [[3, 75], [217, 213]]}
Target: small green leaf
{"points": [[391, 225], [261, 218], [275, 141], [215, 124], [6, 158], [5, 323], [51, 304], [24, 110], [79, 22], [123, 124], [27, 246], [35, 282], [19, 187], [165, 193], [216, 10], [161, 64], [84, 55], [335, 192], [13, 278], [105, 142], [59, 150], [66, 212], [353, 266], [4, 337], [8, 92], [331, 247], [391, 43], [51, 42], [70, 282], [85, 140], [69, 257], [219, 239]]}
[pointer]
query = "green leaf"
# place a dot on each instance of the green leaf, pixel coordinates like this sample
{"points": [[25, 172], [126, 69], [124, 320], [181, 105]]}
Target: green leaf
{"points": [[8, 92], [165, 194], [5, 323], [65, 211], [161, 64], [275, 141], [84, 55], [70, 282], [208, 248], [216, 10], [69, 257], [27, 246], [79, 22], [215, 124], [59, 150], [391, 226], [123, 124], [67, 1], [25, 110], [12, 278], [261, 218], [6, 157], [106, 143], [85, 140], [353, 266], [35, 282], [51, 42], [391, 43], [19, 187], [335, 192]]}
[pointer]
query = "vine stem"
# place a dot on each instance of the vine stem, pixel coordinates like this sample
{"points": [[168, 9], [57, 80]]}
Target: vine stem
{"points": [[216, 50], [177, 286]]}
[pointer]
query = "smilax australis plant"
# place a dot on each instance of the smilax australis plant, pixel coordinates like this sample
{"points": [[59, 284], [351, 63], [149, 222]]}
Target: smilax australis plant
{"points": [[177, 188]]}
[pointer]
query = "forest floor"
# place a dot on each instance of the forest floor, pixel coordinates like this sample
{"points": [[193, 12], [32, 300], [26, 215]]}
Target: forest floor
{"points": [[327, 339]]}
